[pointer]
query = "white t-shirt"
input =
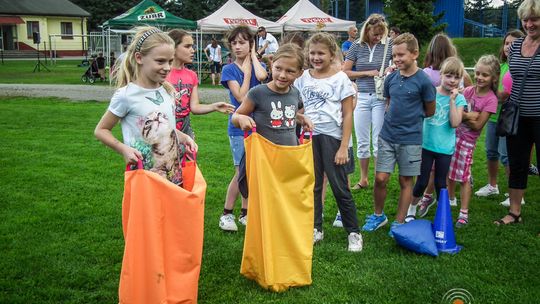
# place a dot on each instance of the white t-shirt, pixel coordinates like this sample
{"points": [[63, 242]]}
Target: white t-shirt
{"points": [[322, 101], [272, 43], [148, 124], [215, 53]]}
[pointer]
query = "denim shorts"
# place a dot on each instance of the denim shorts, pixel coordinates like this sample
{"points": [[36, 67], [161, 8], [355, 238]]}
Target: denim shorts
{"points": [[237, 148]]}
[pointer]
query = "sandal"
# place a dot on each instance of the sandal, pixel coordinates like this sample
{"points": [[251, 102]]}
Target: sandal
{"points": [[515, 219], [359, 186]]}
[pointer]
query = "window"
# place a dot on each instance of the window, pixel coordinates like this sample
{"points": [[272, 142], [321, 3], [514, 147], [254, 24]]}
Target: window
{"points": [[66, 28], [31, 27]]}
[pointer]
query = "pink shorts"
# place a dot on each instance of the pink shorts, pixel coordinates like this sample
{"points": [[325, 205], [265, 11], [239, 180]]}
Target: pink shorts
{"points": [[460, 166]]}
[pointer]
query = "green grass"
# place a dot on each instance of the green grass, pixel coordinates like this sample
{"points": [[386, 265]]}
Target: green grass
{"points": [[61, 238], [63, 72]]}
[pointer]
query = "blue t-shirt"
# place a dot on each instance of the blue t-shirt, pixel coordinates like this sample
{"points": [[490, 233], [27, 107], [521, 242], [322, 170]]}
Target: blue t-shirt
{"points": [[346, 46], [438, 135], [403, 119], [233, 72]]}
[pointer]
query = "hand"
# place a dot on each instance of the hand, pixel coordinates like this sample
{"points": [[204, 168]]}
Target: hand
{"points": [[131, 155], [246, 123], [190, 144], [453, 94], [308, 125], [342, 156], [372, 73], [224, 107], [390, 69], [246, 65], [471, 116]]}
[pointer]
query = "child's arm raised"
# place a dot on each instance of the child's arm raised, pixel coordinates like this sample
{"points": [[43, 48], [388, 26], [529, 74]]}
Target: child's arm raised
{"points": [[197, 108], [104, 134], [342, 154], [241, 118], [260, 72], [240, 91], [455, 112]]}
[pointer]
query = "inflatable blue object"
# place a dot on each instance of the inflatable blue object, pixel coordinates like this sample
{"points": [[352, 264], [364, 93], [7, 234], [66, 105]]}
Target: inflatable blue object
{"points": [[416, 236]]}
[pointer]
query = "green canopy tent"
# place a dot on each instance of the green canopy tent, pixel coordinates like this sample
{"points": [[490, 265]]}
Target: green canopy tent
{"points": [[147, 12]]}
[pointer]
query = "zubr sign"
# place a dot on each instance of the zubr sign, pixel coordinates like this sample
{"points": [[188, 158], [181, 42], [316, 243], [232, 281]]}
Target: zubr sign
{"points": [[316, 20], [151, 14], [236, 21]]}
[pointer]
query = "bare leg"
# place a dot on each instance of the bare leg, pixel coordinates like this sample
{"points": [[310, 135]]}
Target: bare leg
{"points": [[379, 191], [364, 172], [232, 192], [465, 195], [213, 76], [493, 171], [516, 195], [406, 185], [451, 188]]}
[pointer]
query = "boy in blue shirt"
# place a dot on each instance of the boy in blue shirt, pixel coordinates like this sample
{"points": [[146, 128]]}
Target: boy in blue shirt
{"points": [[410, 98]]}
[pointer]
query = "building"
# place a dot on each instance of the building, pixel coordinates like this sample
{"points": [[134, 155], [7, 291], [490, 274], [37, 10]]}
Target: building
{"points": [[57, 22]]}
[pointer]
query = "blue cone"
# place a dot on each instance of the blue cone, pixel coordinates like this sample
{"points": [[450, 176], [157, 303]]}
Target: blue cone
{"points": [[443, 228]]}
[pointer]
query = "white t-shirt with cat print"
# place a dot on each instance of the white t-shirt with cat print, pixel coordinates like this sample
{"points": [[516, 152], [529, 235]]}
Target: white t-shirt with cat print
{"points": [[322, 101], [147, 120]]}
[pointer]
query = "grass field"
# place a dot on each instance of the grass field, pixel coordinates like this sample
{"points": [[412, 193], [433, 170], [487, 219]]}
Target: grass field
{"points": [[61, 239]]}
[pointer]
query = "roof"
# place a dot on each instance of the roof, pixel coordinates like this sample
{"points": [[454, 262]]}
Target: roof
{"points": [[305, 16], [41, 8], [147, 12], [232, 14]]}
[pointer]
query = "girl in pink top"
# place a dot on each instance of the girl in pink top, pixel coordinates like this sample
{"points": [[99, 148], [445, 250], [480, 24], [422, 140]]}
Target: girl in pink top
{"points": [[482, 102], [185, 82]]}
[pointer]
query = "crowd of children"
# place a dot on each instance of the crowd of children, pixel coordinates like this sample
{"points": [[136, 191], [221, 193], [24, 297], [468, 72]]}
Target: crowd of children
{"points": [[433, 118]]}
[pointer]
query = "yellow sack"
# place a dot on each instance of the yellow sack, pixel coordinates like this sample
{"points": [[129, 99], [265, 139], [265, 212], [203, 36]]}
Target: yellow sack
{"points": [[278, 245]]}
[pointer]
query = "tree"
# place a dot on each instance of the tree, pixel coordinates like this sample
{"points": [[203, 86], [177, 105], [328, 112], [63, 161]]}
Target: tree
{"points": [[414, 17], [477, 7], [268, 9]]}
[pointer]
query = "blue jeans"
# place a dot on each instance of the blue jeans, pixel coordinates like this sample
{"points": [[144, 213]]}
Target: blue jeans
{"points": [[495, 145]]}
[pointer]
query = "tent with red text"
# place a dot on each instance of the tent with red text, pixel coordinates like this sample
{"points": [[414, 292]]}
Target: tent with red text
{"points": [[305, 16], [232, 14]]}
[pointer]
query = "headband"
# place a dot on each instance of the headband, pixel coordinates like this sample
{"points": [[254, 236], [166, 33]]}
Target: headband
{"points": [[143, 38]]}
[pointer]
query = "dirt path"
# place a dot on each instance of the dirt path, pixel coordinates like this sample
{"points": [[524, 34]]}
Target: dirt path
{"points": [[89, 92]]}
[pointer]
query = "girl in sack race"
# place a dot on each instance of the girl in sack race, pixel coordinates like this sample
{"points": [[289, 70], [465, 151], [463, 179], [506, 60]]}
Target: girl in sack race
{"points": [[144, 106], [273, 109]]}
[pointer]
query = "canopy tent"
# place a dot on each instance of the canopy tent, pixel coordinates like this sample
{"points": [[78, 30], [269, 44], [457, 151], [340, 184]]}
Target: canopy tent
{"points": [[232, 14], [147, 12], [305, 16]]}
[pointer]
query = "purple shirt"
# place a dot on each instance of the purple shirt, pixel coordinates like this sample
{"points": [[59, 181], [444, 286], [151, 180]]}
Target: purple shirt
{"points": [[434, 76]]}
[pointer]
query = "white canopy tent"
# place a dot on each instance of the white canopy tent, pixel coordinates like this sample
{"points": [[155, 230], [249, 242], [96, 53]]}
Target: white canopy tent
{"points": [[305, 16], [232, 14]]}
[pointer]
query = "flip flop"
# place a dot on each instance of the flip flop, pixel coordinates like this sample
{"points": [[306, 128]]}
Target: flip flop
{"points": [[358, 186]]}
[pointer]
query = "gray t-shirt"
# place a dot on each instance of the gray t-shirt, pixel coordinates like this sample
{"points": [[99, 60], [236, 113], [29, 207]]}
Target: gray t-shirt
{"points": [[403, 121], [275, 114]]}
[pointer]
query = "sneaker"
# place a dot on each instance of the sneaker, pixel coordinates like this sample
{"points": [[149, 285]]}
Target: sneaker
{"points": [[506, 202], [487, 190], [425, 203], [243, 220], [226, 222], [533, 170], [355, 242], [392, 226], [374, 222], [337, 222], [317, 236], [453, 202], [462, 221]]}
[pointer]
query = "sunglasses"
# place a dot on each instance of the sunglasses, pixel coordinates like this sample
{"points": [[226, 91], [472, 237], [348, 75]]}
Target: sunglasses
{"points": [[376, 20]]}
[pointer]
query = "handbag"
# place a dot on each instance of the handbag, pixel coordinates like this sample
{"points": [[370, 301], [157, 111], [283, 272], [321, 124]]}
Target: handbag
{"points": [[507, 124], [379, 80]]}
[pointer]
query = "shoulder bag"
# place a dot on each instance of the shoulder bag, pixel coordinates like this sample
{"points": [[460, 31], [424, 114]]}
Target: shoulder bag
{"points": [[379, 80]]}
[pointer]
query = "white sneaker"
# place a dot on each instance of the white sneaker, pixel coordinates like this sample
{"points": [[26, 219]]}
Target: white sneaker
{"points": [[487, 190], [453, 202], [243, 220], [226, 222], [506, 202], [355, 242], [317, 236], [337, 222]]}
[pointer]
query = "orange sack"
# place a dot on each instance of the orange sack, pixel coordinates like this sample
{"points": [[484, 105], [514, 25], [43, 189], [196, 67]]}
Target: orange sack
{"points": [[163, 231], [278, 244]]}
